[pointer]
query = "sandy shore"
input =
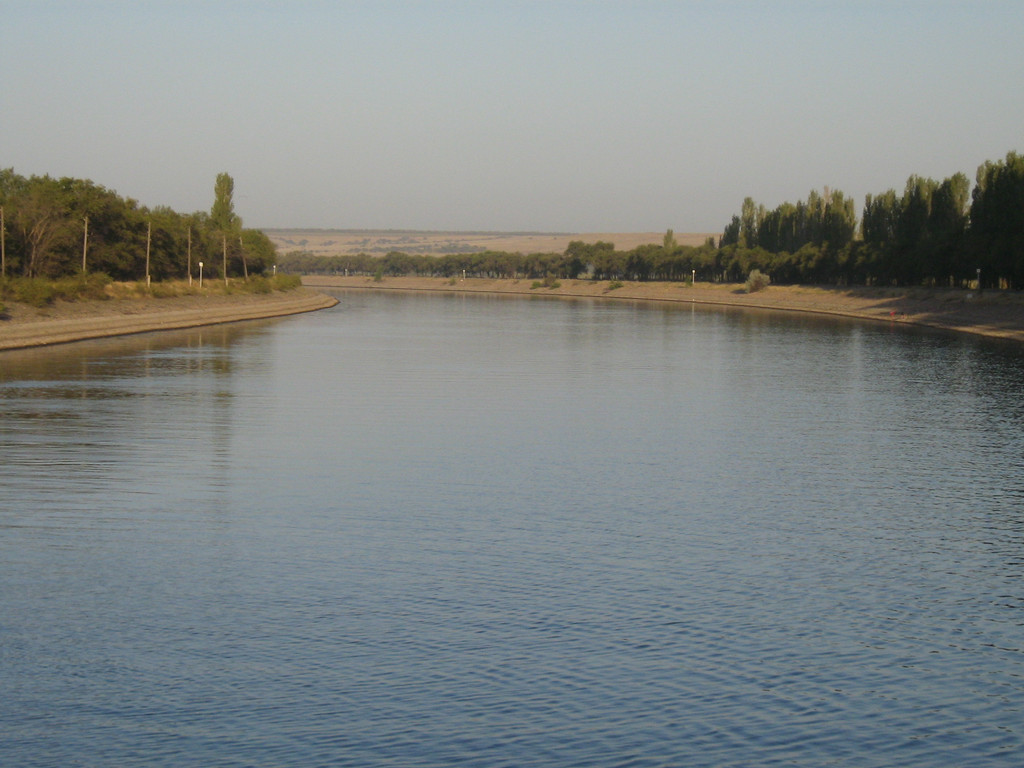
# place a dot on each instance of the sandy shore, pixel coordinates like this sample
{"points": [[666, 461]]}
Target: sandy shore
{"points": [[989, 313], [23, 326]]}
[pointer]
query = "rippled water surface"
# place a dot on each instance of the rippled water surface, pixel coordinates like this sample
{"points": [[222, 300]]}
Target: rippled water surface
{"points": [[462, 530]]}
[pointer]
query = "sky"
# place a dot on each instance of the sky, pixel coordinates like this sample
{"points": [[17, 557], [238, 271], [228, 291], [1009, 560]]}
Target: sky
{"points": [[506, 115]]}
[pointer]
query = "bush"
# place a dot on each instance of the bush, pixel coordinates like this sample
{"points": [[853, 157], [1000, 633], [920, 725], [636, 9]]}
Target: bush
{"points": [[260, 284], [33, 291], [614, 285], [548, 282], [40, 292], [95, 286], [757, 281], [284, 282]]}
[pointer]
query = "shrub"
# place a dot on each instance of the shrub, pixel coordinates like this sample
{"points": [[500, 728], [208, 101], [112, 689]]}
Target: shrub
{"points": [[286, 282], [614, 285], [34, 291], [757, 281], [260, 284], [39, 292], [90, 287], [548, 282]]}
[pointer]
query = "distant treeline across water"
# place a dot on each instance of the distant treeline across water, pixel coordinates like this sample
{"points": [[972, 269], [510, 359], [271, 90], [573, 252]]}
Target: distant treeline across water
{"points": [[933, 233]]}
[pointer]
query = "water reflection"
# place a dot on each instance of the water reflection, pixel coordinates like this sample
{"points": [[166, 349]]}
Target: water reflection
{"points": [[149, 415], [465, 530]]}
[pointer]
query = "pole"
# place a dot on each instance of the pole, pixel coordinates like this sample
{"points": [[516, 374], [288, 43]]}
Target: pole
{"points": [[149, 238], [190, 256], [85, 243], [200, 275], [225, 261], [245, 265]]}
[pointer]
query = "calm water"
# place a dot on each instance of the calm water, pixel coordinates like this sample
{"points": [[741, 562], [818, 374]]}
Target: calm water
{"points": [[424, 531]]}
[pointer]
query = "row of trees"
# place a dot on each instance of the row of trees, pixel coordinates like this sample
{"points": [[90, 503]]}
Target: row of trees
{"points": [[934, 233], [598, 261], [52, 227], [938, 233], [855, 263], [828, 218]]}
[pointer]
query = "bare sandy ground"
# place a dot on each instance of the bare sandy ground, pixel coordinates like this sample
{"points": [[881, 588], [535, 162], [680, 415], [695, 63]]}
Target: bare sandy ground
{"points": [[23, 326], [989, 313]]}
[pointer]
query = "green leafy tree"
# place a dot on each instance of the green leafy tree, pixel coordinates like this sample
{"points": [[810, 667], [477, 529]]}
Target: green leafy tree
{"points": [[41, 222], [997, 219], [226, 224], [223, 218], [749, 219], [260, 251], [947, 229], [731, 234]]}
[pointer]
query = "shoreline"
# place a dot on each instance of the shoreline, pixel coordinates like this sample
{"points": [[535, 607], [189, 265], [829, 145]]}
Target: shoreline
{"points": [[65, 322], [993, 314]]}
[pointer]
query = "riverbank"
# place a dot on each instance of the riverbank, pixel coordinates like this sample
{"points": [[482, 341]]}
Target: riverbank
{"points": [[24, 326], [998, 314]]}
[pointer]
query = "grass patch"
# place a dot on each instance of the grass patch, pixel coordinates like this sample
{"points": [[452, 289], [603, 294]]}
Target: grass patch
{"points": [[41, 292]]}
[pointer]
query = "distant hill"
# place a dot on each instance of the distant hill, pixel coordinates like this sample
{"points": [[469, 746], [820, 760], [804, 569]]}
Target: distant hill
{"points": [[381, 241]]}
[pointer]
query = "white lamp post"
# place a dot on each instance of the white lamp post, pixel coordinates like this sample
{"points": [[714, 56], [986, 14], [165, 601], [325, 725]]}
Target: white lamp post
{"points": [[200, 274]]}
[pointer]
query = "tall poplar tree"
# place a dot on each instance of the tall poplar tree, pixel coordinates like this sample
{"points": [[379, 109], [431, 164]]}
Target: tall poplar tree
{"points": [[222, 215], [225, 221]]}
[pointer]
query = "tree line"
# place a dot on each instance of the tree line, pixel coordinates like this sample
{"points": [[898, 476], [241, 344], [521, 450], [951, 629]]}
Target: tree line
{"points": [[59, 227], [598, 261], [933, 233], [939, 233]]}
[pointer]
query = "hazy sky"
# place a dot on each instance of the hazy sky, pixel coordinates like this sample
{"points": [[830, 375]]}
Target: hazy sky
{"points": [[506, 115]]}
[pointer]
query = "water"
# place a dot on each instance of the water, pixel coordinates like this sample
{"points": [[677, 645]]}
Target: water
{"points": [[423, 531]]}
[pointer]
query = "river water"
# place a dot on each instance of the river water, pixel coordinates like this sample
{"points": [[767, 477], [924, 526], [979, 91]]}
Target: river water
{"points": [[423, 530]]}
